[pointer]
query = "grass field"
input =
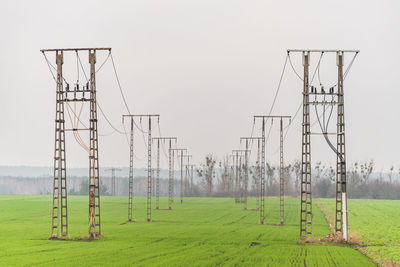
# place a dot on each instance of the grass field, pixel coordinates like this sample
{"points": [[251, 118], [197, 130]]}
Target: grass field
{"points": [[376, 223], [200, 232]]}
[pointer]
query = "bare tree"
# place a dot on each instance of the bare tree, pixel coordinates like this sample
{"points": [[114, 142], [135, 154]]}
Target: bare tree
{"points": [[207, 173], [296, 168]]}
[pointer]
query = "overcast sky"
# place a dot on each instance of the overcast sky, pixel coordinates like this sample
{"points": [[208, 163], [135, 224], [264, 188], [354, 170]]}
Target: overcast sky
{"points": [[206, 67]]}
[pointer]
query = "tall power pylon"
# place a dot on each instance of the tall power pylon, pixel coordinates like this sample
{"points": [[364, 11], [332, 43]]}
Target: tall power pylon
{"points": [[235, 175], [65, 95], [187, 174], [130, 183], [239, 179], [247, 139], [170, 170], [262, 163], [337, 98], [113, 187], [191, 171], [181, 155], [149, 169], [262, 183], [281, 166]]}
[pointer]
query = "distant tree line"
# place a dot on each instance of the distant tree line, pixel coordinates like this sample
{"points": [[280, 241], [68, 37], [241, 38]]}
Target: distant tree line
{"points": [[363, 181], [215, 178]]}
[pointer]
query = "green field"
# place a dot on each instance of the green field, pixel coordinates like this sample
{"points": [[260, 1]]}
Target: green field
{"points": [[200, 232], [377, 225]]}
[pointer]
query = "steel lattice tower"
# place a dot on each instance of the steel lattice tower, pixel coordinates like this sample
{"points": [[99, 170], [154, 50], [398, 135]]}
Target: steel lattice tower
{"points": [[262, 163], [341, 197], [113, 187], [247, 139], [59, 202], [130, 197], [240, 184], [306, 189], [158, 176], [281, 180], [59, 216], [185, 183], [170, 171], [94, 182], [258, 186], [281, 166], [181, 150], [149, 169]]}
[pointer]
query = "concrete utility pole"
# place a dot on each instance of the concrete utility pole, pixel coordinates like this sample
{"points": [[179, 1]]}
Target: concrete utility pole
{"points": [[247, 139], [337, 98], [59, 219], [149, 170], [113, 188], [170, 171]]}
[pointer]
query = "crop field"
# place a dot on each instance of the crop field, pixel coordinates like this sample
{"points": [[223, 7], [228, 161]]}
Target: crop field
{"points": [[376, 224], [202, 231]]}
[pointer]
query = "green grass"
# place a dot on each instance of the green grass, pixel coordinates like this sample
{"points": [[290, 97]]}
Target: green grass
{"points": [[376, 223], [201, 232]]}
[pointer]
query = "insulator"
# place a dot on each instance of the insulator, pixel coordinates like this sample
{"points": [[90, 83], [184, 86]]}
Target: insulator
{"points": [[67, 87], [77, 86], [322, 90], [87, 86], [331, 90]]}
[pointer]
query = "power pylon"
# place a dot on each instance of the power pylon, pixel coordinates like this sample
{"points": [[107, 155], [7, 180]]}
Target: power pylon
{"points": [[191, 166], [130, 183], [247, 139], [181, 155], [238, 177], [170, 171], [64, 95], [113, 187], [235, 175], [262, 200], [281, 178], [187, 174], [262, 163], [149, 169], [337, 98]]}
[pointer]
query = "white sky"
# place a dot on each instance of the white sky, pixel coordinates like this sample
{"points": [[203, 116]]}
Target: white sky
{"points": [[205, 66]]}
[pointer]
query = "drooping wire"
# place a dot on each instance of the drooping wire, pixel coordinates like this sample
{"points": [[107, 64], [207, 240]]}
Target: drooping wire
{"points": [[294, 70], [279, 85], [48, 65], [108, 121], [104, 62]]}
